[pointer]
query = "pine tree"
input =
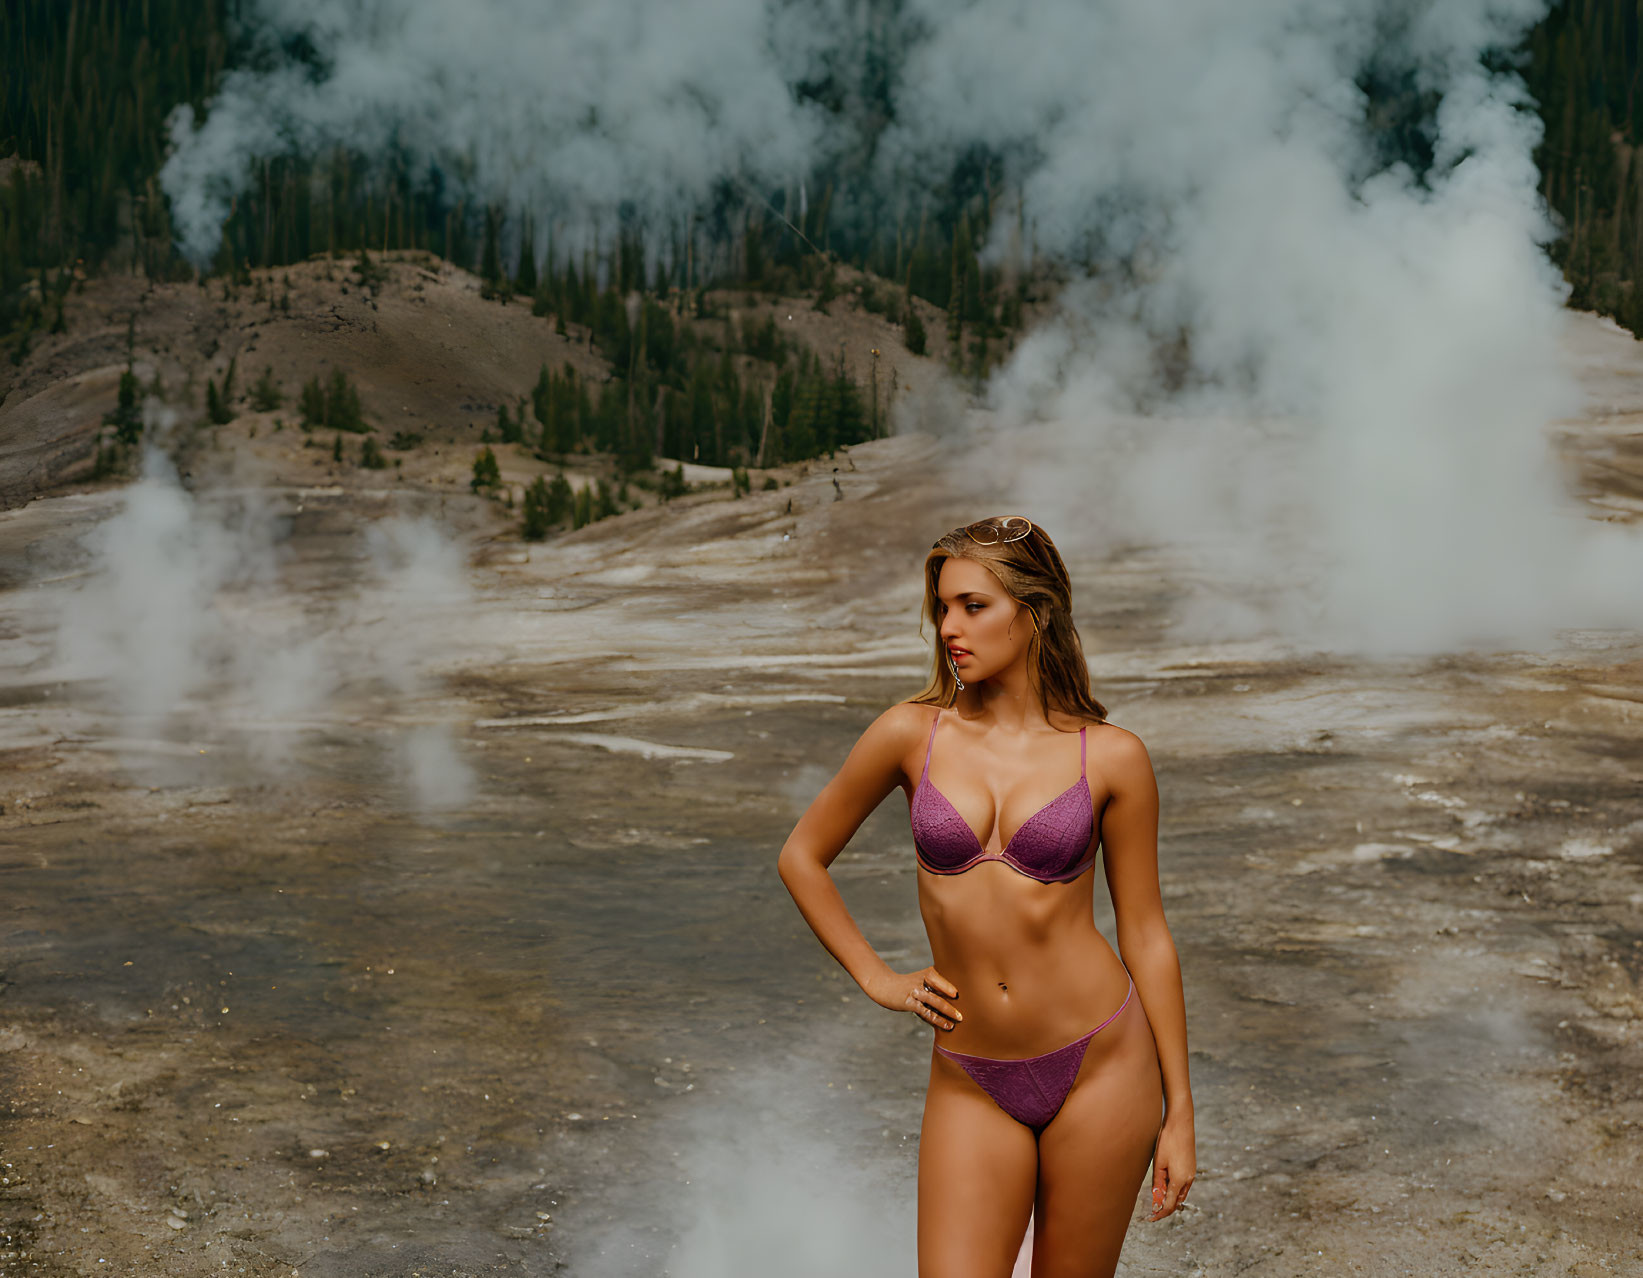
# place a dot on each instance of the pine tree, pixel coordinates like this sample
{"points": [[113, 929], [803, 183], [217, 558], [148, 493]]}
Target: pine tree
{"points": [[913, 330], [660, 337], [311, 403], [342, 408], [508, 427], [545, 404], [127, 417], [490, 261], [572, 298], [611, 330], [604, 504], [699, 440], [827, 289], [486, 473], [536, 517], [524, 280], [216, 406], [849, 416], [265, 392], [967, 273], [560, 499], [636, 446], [370, 454]]}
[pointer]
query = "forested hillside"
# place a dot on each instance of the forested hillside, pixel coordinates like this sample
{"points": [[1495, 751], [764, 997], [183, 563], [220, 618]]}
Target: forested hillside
{"points": [[88, 85], [88, 88], [1583, 70]]}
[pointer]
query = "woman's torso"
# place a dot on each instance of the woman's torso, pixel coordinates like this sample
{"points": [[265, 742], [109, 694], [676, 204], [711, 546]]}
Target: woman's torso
{"points": [[1032, 970]]}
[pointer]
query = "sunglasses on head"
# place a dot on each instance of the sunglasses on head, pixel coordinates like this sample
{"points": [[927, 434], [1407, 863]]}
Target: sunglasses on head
{"points": [[999, 529]]}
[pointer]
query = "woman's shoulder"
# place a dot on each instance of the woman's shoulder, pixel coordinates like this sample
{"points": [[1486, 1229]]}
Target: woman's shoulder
{"points": [[1104, 734], [1069, 721], [898, 725], [898, 735], [1121, 752], [907, 717]]}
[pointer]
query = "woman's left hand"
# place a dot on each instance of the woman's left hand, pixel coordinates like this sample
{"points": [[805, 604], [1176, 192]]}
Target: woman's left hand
{"points": [[1174, 1164]]}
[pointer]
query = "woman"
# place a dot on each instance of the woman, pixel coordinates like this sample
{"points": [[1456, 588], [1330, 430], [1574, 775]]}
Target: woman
{"points": [[1031, 1115]]}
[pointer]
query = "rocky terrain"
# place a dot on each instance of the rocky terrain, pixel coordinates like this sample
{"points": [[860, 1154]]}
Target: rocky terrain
{"points": [[296, 1011]]}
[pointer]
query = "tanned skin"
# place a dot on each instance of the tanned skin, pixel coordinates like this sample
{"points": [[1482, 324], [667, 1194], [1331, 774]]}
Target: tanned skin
{"points": [[1020, 968]]}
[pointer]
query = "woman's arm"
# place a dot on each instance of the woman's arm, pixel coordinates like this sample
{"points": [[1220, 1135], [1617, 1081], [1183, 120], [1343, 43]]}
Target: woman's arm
{"points": [[872, 770], [1129, 836]]}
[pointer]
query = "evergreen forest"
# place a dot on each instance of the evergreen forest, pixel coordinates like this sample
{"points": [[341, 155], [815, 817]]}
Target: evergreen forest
{"points": [[88, 85]]}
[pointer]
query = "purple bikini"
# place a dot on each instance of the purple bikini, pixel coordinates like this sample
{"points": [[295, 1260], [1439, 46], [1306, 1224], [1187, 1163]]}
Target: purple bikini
{"points": [[1049, 846]]}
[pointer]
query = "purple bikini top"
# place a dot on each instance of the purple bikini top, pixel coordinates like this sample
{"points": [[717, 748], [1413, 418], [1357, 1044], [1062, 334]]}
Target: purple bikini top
{"points": [[1045, 846]]}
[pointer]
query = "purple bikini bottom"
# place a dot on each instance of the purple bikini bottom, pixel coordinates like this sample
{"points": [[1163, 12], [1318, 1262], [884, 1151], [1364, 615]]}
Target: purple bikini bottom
{"points": [[1031, 1089]]}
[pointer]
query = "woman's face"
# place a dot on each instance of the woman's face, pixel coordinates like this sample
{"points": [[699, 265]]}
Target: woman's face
{"points": [[983, 628]]}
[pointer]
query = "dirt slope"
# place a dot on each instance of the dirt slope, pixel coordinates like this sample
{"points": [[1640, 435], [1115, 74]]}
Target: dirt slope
{"points": [[428, 353]]}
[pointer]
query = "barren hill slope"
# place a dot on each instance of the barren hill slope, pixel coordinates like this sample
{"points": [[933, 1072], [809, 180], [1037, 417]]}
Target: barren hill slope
{"points": [[429, 354]]}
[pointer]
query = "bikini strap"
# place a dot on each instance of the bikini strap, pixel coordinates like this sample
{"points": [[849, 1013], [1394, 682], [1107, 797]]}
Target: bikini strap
{"points": [[928, 744], [1081, 754]]}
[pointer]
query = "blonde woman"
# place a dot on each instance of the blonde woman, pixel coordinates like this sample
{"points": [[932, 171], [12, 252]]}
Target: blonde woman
{"points": [[1060, 1070]]}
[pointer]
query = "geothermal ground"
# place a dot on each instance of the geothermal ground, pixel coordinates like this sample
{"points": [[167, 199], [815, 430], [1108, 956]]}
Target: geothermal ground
{"points": [[275, 1011]]}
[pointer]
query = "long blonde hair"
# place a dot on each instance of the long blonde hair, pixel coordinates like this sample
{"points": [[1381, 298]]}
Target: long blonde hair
{"points": [[1030, 568]]}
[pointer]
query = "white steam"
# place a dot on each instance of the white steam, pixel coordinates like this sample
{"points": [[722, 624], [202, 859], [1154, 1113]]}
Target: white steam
{"points": [[782, 1172], [148, 619], [183, 619], [419, 589], [1354, 450], [570, 110]]}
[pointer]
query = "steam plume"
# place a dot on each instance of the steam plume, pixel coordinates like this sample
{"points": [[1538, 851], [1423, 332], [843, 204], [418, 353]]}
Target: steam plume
{"points": [[1347, 441]]}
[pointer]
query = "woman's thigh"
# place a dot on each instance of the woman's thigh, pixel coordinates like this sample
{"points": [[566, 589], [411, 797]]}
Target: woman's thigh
{"points": [[977, 1169], [1094, 1154]]}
